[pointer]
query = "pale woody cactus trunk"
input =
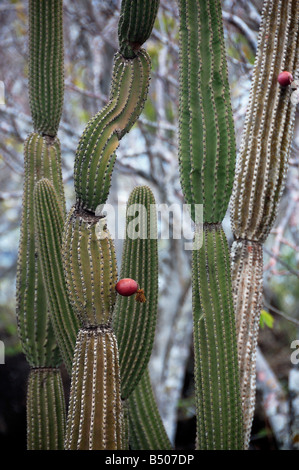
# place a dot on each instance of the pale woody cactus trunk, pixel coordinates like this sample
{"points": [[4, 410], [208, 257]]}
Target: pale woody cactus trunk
{"points": [[260, 178]]}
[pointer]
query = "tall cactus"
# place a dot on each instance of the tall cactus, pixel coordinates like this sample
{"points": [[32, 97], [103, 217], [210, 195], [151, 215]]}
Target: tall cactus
{"points": [[260, 178], [41, 160], [207, 159], [88, 251], [134, 323]]}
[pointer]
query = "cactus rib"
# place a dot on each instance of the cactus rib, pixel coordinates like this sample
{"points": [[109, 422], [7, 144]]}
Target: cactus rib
{"points": [[95, 153], [35, 330], [49, 225], [45, 410], [135, 25], [46, 76], [134, 322], [95, 410]]}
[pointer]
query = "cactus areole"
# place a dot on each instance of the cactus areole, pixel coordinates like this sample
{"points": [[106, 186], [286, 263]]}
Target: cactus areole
{"points": [[126, 287], [285, 78]]}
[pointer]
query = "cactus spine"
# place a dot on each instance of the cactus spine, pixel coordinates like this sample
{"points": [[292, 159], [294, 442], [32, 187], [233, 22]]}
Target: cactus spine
{"points": [[207, 159], [260, 177], [41, 160]]}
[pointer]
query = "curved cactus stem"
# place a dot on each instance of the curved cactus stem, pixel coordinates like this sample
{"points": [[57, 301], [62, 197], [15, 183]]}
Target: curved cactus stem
{"points": [[147, 431], [45, 410], [135, 25], [49, 227], [95, 155], [247, 278], [206, 130], [219, 424], [46, 69], [134, 322], [95, 417], [41, 159]]}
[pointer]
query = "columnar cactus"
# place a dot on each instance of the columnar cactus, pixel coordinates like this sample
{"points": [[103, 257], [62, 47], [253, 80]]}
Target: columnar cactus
{"points": [[41, 160], [260, 177], [134, 323], [207, 159], [49, 219], [95, 419]]}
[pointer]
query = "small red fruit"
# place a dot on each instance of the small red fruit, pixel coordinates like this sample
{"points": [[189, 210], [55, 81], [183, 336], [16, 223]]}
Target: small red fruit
{"points": [[285, 78], [126, 287]]}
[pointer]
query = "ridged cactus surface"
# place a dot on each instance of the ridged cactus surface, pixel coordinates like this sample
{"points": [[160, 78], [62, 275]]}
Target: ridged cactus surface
{"points": [[260, 177], [41, 160], [269, 124], [95, 409], [95, 154], [46, 76], [90, 268], [49, 222], [135, 25], [147, 431], [207, 161], [247, 276], [45, 410], [206, 130], [134, 322], [215, 348]]}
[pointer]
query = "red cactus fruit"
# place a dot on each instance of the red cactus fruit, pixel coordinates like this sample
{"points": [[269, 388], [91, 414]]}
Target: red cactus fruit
{"points": [[285, 78], [126, 287]]}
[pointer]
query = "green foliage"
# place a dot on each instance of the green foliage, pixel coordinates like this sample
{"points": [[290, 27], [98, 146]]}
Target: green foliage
{"points": [[266, 319]]}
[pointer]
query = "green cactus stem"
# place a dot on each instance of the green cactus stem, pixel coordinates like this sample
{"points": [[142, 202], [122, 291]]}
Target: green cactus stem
{"points": [[218, 399], [207, 160], [90, 268], [45, 410], [206, 130], [95, 155], [135, 25], [134, 322], [41, 159], [49, 220], [95, 411], [46, 76], [147, 431], [260, 177]]}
